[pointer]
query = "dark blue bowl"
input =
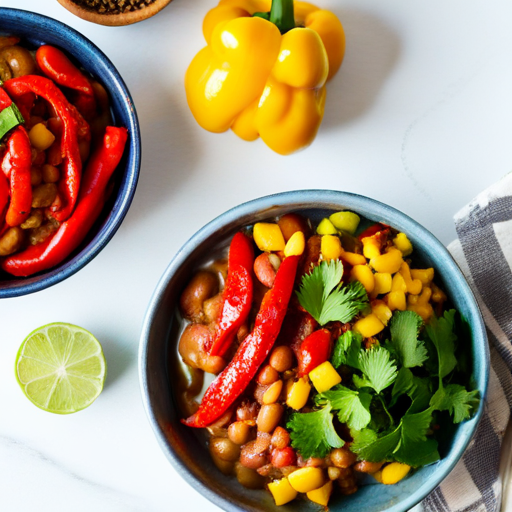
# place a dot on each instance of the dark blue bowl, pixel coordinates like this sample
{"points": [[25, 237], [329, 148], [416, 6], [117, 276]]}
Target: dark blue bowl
{"points": [[35, 30], [158, 349]]}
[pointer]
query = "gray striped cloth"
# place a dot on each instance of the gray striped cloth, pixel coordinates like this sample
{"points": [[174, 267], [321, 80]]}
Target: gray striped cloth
{"points": [[484, 253]]}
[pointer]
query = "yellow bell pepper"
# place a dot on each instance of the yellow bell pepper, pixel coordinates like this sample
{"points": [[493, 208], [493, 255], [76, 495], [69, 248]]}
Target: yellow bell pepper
{"points": [[264, 70]]}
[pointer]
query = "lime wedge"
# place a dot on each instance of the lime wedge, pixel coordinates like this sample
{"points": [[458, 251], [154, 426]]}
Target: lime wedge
{"points": [[61, 368]]}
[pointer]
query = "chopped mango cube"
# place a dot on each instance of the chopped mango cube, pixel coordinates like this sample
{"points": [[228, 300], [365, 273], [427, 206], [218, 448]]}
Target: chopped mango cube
{"points": [[381, 310], [330, 246], [306, 479], [413, 285], [298, 394], [282, 491], [40, 137], [353, 258], [396, 300], [345, 221], [371, 247], [268, 237], [437, 294], [403, 244], [326, 227], [389, 262], [321, 495], [363, 274], [398, 283], [424, 275], [295, 245], [382, 283], [324, 377], [394, 472], [369, 326]]}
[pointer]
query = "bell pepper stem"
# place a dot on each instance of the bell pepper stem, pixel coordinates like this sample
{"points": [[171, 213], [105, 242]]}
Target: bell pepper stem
{"points": [[282, 15]]}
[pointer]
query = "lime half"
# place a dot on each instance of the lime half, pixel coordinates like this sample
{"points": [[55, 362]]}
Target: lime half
{"points": [[61, 368]]}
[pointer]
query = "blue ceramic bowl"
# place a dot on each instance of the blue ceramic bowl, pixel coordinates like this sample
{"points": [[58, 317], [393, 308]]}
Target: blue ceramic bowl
{"points": [[36, 30], [187, 450]]}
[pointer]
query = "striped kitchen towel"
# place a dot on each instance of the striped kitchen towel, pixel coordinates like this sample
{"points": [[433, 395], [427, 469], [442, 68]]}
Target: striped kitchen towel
{"points": [[484, 253]]}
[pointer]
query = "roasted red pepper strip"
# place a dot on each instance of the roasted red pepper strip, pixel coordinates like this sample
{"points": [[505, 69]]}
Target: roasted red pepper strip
{"points": [[370, 231], [73, 126], [70, 234], [5, 101], [237, 295], [235, 378], [16, 166], [314, 351], [56, 65], [4, 197]]}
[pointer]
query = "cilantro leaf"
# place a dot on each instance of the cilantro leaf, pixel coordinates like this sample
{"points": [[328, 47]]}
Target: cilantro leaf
{"points": [[379, 371], [404, 385], [373, 449], [404, 328], [455, 399], [325, 299], [10, 117], [347, 348], [440, 333], [353, 407], [417, 388], [313, 433]]}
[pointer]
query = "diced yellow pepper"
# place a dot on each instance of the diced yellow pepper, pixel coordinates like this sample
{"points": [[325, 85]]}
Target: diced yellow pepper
{"points": [[40, 137], [382, 283], [295, 245], [394, 472], [371, 247], [363, 274], [298, 394], [396, 300], [389, 262], [398, 283], [324, 377], [369, 326], [403, 244], [420, 304], [345, 221], [330, 246], [381, 310], [424, 275], [268, 237], [282, 491], [306, 479], [322, 495], [353, 258], [437, 294], [326, 227], [413, 285]]}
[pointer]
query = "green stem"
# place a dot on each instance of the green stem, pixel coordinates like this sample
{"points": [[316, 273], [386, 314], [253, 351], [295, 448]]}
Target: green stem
{"points": [[386, 410], [282, 15]]}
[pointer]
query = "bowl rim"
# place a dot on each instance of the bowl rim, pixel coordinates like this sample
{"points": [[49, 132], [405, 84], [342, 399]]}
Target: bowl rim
{"points": [[320, 199], [74, 40]]}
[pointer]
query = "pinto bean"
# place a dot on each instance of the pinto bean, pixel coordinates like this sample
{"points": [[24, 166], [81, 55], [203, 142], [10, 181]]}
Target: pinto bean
{"points": [[264, 270], [239, 432], [269, 417], [291, 223], [248, 477], [16, 61], [280, 438], [343, 458], [281, 358], [224, 448], [284, 457], [44, 195], [202, 286], [368, 467], [267, 376], [11, 241], [247, 411], [212, 308], [192, 348], [254, 454]]}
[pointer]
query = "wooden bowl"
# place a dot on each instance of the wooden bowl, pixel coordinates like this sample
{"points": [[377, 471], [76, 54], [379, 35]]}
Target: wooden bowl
{"points": [[114, 20]]}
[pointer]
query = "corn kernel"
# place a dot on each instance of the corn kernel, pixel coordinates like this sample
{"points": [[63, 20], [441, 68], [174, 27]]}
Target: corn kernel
{"points": [[381, 310], [268, 237], [353, 258], [394, 472], [371, 247], [295, 245], [437, 294], [324, 377], [306, 479], [363, 274], [398, 283], [326, 227], [424, 275], [382, 283], [368, 326], [321, 495], [272, 393], [413, 285], [40, 137], [403, 244], [282, 491], [389, 262], [345, 221], [330, 247], [298, 394], [396, 300], [420, 304]]}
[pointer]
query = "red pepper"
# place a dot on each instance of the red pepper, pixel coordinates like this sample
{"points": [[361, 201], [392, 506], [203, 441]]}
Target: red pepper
{"points": [[314, 351], [73, 126], [235, 378], [5, 101], [237, 295], [55, 65], [16, 166], [4, 197], [70, 234], [374, 228]]}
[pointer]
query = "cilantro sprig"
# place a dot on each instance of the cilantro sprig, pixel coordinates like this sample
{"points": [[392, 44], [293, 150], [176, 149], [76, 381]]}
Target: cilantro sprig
{"points": [[326, 299]]}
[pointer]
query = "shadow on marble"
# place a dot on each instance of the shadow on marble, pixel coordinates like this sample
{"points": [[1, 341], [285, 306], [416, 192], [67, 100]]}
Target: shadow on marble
{"points": [[119, 359]]}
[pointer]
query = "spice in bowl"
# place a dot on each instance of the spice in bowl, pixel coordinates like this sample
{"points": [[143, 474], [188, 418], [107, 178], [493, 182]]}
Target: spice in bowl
{"points": [[113, 6]]}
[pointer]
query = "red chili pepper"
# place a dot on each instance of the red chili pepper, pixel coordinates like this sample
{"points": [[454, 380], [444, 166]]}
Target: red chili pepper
{"points": [[56, 65], [375, 228], [70, 234], [16, 166], [314, 351], [235, 378], [237, 295], [5, 100], [73, 126]]}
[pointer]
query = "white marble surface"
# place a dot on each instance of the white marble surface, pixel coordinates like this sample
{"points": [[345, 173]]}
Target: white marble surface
{"points": [[420, 117]]}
